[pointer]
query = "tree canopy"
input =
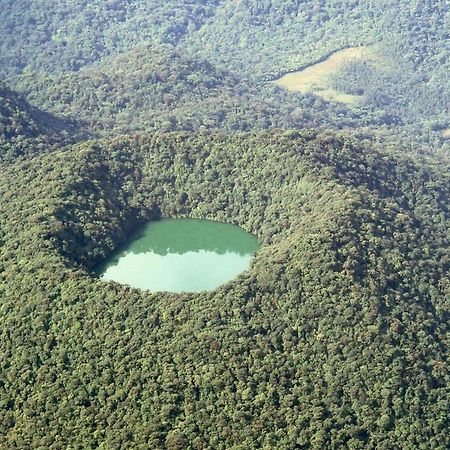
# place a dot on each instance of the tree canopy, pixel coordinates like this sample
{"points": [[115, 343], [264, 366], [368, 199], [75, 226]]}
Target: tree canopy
{"points": [[336, 337]]}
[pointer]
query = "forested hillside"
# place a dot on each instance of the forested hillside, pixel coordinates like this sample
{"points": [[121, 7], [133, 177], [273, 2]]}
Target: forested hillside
{"points": [[48, 43], [26, 130], [117, 112], [65, 35], [157, 88], [284, 35], [337, 337]]}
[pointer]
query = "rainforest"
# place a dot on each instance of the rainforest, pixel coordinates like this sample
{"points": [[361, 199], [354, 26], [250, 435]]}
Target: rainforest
{"points": [[318, 131]]}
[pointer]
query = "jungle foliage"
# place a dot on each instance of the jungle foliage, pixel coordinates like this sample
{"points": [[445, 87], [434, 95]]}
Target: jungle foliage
{"points": [[26, 130], [337, 336], [53, 51], [157, 88]]}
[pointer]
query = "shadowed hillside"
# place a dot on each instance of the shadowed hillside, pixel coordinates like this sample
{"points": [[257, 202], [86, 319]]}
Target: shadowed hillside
{"points": [[26, 130]]}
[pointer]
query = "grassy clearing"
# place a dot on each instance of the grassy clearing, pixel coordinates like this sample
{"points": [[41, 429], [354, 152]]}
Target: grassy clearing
{"points": [[315, 78], [446, 133]]}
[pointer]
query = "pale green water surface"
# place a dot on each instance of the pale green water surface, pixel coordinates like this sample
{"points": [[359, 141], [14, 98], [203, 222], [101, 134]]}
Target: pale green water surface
{"points": [[181, 255]]}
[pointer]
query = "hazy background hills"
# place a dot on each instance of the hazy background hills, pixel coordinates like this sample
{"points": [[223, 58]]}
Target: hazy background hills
{"points": [[172, 65]]}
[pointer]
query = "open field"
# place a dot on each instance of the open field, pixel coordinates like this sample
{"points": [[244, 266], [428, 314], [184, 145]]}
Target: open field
{"points": [[315, 78]]}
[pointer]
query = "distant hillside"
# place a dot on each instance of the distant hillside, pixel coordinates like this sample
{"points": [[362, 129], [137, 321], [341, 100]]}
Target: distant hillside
{"points": [[157, 88], [263, 40], [133, 90], [66, 35], [25, 129], [46, 42]]}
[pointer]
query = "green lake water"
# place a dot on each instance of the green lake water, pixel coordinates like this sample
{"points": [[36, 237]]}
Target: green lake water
{"points": [[181, 255]]}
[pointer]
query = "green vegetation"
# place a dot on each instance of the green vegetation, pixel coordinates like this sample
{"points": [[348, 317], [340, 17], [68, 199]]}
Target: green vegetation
{"points": [[157, 88], [268, 39], [216, 58], [25, 130], [62, 35], [336, 337]]}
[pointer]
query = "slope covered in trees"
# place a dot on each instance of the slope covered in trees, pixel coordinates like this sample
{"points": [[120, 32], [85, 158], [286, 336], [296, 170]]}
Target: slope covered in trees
{"points": [[271, 38], [284, 35], [62, 35], [158, 88], [251, 39], [26, 130], [337, 336]]}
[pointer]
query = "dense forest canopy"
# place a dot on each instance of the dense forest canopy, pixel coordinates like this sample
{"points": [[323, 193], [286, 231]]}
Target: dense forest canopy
{"points": [[114, 113], [27, 130], [154, 87], [337, 337], [72, 34], [52, 48]]}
